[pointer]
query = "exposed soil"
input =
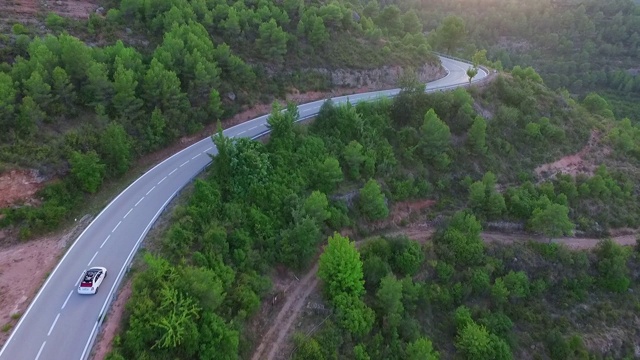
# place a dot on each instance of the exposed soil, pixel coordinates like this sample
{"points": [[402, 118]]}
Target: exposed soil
{"points": [[582, 162], [26, 11], [23, 268], [112, 322], [19, 185], [276, 344]]}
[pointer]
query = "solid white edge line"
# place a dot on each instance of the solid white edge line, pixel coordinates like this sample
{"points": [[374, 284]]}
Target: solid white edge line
{"points": [[54, 324], [40, 351], [148, 192], [114, 229], [139, 201], [65, 302], [94, 256], [127, 214], [206, 139], [105, 241], [174, 170], [124, 266]]}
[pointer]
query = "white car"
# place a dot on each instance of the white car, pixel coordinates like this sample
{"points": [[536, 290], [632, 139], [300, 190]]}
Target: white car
{"points": [[91, 280]]}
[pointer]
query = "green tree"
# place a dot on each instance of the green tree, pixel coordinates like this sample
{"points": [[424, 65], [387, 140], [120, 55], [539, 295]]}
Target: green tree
{"points": [[477, 135], [451, 33], [36, 88], [421, 349], [328, 175], [29, 117], [474, 342], [354, 157], [461, 243], [115, 149], [272, 41], [612, 266], [298, 243], [317, 207], [125, 102], [552, 221], [64, 95], [435, 140], [340, 267], [372, 201], [87, 170], [217, 340], [7, 100], [471, 73], [99, 89], [389, 299]]}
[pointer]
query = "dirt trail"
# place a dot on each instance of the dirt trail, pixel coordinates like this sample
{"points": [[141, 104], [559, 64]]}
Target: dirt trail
{"points": [[272, 341], [276, 336]]}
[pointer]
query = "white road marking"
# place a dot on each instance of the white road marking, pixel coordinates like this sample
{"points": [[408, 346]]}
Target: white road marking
{"points": [[88, 342], [118, 278], [209, 148], [196, 156], [53, 325], [127, 214], [163, 179], [40, 351], [94, 256], [65, 302], [174, 170], [78, 282], [253, 128], [240, 133], [184, 163], [139, 201], [105, 241], [114, 229], [148, 192]]}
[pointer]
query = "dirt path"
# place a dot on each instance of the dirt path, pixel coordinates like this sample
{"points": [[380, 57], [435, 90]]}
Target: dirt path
{"points": [[276, 336], [272, 341]]}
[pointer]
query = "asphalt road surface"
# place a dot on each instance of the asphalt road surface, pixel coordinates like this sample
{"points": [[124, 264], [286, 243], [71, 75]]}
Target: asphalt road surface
{"points": [[60, 324]]}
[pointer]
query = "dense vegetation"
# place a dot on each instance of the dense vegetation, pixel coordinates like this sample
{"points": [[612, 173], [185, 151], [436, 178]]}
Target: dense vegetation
{"points": [[584, 46], [69, 109], [265, 204]]}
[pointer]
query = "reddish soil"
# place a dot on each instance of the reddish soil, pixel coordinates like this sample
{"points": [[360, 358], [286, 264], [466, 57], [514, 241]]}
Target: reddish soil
{"points": [[18, 185], [582, 162], [112, 323], [26, 11], [23, 268]]}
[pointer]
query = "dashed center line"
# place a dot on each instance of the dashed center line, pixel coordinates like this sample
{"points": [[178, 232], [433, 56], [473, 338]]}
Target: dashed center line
{"points": [[163, 179], [148, 192], [174, 170], [54, 324], [196, 156], [114, 229], [185, 163], [253, 128], [40, 351], [240, 133], [94, 256], [127, 214], [65, 302], [105, 241], [142, 198], [209, 148], [78, 282]]}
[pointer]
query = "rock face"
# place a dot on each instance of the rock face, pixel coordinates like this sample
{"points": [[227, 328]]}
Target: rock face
{"points": [[384, 77]]}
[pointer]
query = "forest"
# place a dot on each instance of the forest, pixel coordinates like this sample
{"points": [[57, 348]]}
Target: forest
{"points": [[82, 100], [276, 202]]}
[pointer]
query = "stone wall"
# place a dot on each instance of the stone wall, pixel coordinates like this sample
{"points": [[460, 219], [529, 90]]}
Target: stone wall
{"points": [[380, 78]]}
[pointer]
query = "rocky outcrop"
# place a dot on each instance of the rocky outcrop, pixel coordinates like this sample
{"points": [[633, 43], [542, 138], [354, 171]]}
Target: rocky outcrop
{"points": [[379, 78]]}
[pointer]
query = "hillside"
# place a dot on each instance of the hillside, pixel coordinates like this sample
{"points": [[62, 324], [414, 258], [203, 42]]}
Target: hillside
{"points": [[78, 106], [263, 206]]}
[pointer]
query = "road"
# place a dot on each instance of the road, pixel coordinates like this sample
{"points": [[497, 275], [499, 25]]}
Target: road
{"points": [[60, 323]]}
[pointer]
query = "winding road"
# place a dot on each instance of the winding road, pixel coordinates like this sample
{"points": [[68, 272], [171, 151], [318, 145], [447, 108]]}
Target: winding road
{"points": [[60, 324]]}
